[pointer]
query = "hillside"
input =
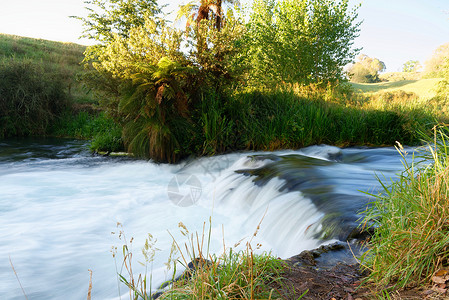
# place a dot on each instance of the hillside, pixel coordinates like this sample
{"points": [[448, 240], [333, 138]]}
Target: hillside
{"points": [[63, 59]]}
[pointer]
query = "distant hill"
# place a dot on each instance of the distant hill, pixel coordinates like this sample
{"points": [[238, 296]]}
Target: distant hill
{"points": [[60, 58]]}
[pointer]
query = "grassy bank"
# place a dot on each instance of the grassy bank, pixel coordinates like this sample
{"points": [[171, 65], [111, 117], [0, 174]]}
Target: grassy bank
{"points": [[301, 117], [410, 245], [60, 59]]}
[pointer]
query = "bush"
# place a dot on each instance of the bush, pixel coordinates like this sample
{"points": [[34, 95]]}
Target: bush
{"points": [[30, 99]]}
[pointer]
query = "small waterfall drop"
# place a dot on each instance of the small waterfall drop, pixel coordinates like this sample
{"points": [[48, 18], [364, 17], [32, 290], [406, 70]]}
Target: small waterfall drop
{"points": [[59, 204]]}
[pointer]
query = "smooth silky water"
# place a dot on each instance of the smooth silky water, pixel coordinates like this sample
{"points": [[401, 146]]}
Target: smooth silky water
{"points": [[59, 205]]}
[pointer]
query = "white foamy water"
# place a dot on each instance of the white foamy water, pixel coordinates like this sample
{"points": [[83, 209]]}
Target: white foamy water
{"points": [[57, 212]]}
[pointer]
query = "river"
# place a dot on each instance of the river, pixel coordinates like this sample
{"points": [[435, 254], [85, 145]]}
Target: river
{"points": [[59, 205]]}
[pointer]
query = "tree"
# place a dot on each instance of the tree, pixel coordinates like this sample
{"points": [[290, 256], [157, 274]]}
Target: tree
{"points": [[366, 69], [434, 65], [299, 41], [160, 85], [196, 11], [155, 102], [411, 66], [107, 18]]}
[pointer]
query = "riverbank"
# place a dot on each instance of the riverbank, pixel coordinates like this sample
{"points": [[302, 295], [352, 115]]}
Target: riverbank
{"points": [[314, 276]]}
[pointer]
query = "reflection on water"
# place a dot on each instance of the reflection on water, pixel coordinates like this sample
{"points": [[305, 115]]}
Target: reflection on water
{"points": [[59, 204]]}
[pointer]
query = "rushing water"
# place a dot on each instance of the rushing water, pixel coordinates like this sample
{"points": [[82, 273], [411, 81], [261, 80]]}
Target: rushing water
{"points": [[59, 205]]}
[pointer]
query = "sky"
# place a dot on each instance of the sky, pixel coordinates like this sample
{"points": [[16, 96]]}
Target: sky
{"points": [[393, 31]]}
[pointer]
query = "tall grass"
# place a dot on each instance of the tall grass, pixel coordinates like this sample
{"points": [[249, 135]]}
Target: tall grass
{"points": [[104, 133], [276, 120], [411, 218], [300, 116], [30, 98], [231, 275]]}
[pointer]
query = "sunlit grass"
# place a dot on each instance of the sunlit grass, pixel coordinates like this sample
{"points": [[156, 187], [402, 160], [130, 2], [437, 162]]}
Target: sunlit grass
{"points": [[424, 88], [61, 59], [411, 221], [229, 275]]}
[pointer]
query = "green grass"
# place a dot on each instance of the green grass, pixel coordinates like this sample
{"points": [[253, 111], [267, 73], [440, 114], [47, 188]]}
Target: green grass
{"points": [[31, 99], [411, 218], [230, 275], [41, 93], [104, 133], [424, 88], [288, 119], [61, 59]]}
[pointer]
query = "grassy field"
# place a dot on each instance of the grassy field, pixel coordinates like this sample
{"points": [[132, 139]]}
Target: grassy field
{"points": [[424, 88]]}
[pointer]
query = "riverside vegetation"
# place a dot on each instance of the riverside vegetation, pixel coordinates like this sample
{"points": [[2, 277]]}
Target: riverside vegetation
{"points": [[233, 79], [40, 93], [410, 244]]}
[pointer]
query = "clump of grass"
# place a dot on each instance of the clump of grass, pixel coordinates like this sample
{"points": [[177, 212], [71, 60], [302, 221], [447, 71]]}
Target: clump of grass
{"points": [[231, 275], [411, 220], [30, 98]]}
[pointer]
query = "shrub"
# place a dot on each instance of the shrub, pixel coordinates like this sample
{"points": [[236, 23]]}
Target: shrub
{"points": [[30, 99]]}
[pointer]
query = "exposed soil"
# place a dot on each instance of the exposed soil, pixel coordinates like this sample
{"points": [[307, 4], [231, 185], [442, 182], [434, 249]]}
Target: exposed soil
{"points": [[315, 275], [339, 282]]}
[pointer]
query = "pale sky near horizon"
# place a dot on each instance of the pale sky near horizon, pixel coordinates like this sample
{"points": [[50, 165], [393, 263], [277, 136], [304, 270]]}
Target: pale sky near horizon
{"points": [[393, 31]]}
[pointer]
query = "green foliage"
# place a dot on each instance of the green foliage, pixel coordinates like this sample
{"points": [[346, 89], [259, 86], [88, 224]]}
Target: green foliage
{"points": [[411, 66], [434, 66], [299, 41], [155, 103], [30, 98], [108, 18], [366, 70], [103, 131], [410, 217], [156, 86], [174, 101], [216, 52]]}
